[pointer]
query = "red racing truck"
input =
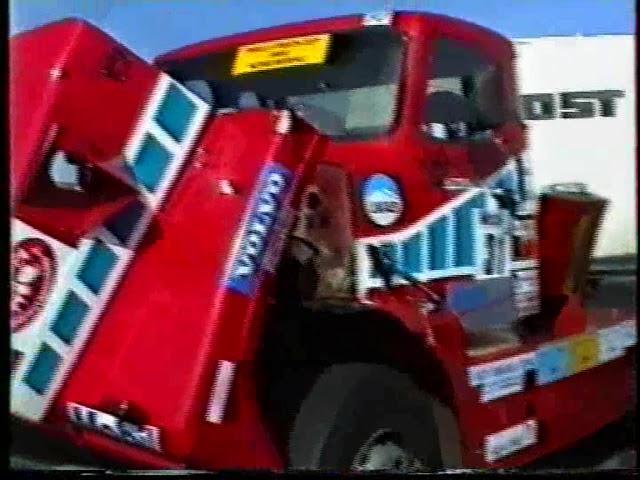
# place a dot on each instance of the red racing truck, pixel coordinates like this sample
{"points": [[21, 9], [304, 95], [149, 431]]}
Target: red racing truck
{"points": [[313, 246]]}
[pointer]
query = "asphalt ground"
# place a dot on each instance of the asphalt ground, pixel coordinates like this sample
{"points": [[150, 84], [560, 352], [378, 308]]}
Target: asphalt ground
{"points": [[614, 447], [611, 448]]}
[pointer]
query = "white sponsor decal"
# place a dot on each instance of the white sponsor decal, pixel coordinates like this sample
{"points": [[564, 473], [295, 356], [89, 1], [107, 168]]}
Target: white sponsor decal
{"points": [[220, 391], [610, 343], [629, 333], [144, 436], [505, 368], [501, 444], [502, 386]]}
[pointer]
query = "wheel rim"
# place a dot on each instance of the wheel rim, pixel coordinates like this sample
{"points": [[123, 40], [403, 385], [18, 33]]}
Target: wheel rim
{"points": [[384, 451]]}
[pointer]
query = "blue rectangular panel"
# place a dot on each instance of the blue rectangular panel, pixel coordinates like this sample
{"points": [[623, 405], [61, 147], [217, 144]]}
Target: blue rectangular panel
{"points": [[465, 297], [99, 261], [477, 201], [175, 113], [438, 244], [151, 163], [552, 364], [463, 241], [69, 318], [43, 369], [483, 304], [273, 186], [412, 254], [123, 223]]}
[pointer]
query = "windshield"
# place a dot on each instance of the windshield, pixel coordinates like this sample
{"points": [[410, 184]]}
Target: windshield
{"points": [[345, 84]]}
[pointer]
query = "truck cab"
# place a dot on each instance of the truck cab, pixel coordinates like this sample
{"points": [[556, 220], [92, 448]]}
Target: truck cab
{"points": [[312, 246], [415, 114]]}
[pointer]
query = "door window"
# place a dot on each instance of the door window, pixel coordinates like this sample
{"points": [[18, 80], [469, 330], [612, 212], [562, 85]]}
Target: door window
{"points": [[464, 99]]}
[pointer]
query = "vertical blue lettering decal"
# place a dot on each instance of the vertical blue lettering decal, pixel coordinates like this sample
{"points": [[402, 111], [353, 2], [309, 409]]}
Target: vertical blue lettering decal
{"points": [[273, 186]]}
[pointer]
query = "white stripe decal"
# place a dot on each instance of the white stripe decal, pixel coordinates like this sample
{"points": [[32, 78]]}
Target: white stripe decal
{"points": [[510, 440], [220, 392]]}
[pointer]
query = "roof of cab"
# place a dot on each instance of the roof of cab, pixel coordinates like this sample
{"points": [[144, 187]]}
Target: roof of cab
{"points": [[341, 23]]}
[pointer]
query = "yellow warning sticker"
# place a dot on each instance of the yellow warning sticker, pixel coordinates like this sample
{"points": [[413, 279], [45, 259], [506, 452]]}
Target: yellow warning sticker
{"points": [[583, 353], [290, 52]]}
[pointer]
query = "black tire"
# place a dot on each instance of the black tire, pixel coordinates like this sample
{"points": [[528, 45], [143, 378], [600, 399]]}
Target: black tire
{"points": [[349, 404]]}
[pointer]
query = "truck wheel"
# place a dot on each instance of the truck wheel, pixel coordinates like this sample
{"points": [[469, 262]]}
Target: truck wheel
{"points": [[360, 417]]}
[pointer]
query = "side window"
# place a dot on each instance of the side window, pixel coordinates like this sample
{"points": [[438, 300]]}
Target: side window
{"points": [[463, 94], [65, 174]]}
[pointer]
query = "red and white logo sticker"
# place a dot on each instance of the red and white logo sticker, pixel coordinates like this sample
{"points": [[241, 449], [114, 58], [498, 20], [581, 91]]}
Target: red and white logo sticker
{"points": [[33, 272]]}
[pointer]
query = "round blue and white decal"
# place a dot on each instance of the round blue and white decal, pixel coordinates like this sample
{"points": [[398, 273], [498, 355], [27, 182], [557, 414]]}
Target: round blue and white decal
{"points": [[382, 199]]}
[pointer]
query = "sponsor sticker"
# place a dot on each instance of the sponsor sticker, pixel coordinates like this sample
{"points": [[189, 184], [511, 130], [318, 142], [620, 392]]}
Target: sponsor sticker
{"points": [[290, 52], [502, 386], [583, 353], [628, 333], [501, 378], [220, 391], [382, 200], [274, 184], [552, 364], [33, 272], [508, 367], [501, 444], [610, 345], [144, 436]]}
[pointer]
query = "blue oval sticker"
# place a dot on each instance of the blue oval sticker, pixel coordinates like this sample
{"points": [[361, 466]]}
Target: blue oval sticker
{"points": [[382, 199]]}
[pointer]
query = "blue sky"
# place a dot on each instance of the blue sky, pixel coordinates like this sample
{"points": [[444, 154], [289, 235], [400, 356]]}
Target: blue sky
{"points": [[150, 27]]}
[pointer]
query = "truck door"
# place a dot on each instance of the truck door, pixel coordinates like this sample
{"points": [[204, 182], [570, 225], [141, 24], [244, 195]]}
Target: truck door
{"points": [[464, 109], [473, 143]]}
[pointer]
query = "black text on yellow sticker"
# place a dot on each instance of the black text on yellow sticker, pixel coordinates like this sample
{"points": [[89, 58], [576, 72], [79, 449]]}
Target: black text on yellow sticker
{"points": [[290, 52]]}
